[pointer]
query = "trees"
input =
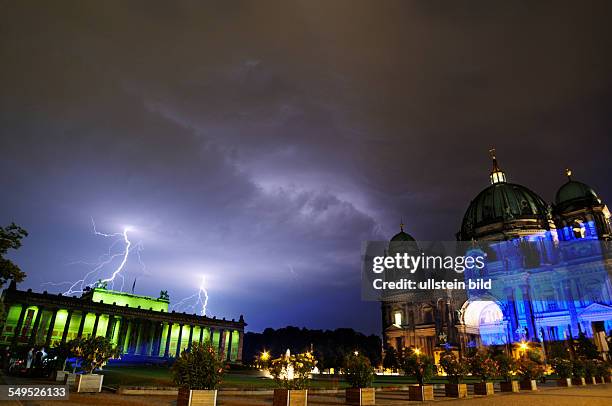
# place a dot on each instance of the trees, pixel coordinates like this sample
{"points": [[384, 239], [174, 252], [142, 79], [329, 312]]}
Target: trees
{"points": [[10, 238], [418, 365], [94, 352], [198, 369], [455, 369], [390, 361], [359, 371], [330, 346], [585, 348]]}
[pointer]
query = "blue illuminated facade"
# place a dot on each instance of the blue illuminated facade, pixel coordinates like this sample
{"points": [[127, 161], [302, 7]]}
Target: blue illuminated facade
{"points": [[550, 263]]}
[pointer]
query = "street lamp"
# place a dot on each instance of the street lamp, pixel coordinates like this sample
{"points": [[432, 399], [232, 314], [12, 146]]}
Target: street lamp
{"points": [[265, 355]]}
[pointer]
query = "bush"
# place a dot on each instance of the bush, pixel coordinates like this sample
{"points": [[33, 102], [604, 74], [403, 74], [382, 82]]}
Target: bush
{"points": [[507, 367], [62, 351], [300, 366], [530, 369], [455, 370], [563, 367], [483, 366], [93, 352], [590, 367], [603, 368], [198, 369], [420, 366], [579, 368], [359, 371], [584, 347]]}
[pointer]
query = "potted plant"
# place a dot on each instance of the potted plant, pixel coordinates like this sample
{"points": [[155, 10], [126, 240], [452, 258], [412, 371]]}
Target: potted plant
{"points": [[508, 370], [578, 372], [359, 375], [291, 374], [62, 353], [93, 353], [485, 368], [198, 373], [530, 370], [422, 367], [456, 371], [590, 371], [563, 368], [603, 370]]}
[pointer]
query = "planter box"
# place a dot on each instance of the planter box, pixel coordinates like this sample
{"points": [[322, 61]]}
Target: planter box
{"points": [[512, 386], [69, 379], [188, 397], [285, 397], [591, 380], [455, 390], [88, 383], [420, 393], [360, 396], [566, 382], [578, 381], [484, 388], [529, 385], [60, 376]]}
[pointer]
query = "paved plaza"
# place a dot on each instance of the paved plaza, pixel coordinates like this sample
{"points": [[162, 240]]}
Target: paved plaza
{"points": [[548, 394]]}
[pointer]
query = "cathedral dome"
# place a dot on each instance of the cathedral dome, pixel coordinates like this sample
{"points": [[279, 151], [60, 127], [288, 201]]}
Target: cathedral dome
{"points": [[403, 242], [402, 236], [574, 194], [501, 202]]}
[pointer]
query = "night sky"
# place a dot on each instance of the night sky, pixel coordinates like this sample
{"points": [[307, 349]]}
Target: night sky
{"points": [[259, 143]]}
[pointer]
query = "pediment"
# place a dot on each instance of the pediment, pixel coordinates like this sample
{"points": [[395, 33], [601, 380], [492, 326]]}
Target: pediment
{"points": [[595, 309]]}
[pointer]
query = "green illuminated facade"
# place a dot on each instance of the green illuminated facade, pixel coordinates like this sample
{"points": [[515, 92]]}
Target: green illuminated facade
{"points": [[138, 325]]}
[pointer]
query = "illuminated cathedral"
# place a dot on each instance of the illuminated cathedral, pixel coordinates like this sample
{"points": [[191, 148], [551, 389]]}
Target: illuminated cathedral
{"points": [[550, 264]]}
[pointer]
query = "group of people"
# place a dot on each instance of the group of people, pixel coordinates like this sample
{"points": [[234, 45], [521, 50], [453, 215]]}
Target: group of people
{"points": [[32, 363]]}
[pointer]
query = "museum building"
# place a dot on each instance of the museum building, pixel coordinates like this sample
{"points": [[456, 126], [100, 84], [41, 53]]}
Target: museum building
{"points": [[137, 325]]}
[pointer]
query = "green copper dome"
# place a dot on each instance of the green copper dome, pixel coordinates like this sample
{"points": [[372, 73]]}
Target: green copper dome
{"points": [[575, 192], [502, 202]]}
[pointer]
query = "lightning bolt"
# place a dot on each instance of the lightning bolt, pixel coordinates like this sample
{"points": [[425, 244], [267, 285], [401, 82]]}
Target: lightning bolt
{"points": [[91, 277], [198, 300]]}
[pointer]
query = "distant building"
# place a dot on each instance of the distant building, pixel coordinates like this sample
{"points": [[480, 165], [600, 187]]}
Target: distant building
{"points": [[138, 325], [529, 247]]}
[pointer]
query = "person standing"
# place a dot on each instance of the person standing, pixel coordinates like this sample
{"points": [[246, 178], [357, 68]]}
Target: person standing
{"points": [[30, 358]]}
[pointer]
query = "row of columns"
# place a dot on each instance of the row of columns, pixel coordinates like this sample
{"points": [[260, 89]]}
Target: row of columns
{"points": [[49, 336], [140, 334], [222, 341]]}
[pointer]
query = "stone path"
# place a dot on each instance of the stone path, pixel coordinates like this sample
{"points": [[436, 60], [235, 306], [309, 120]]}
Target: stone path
{"points": [[548, 395]]}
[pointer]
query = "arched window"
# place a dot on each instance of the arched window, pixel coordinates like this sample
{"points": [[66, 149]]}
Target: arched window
{"points": [[397, 318]]}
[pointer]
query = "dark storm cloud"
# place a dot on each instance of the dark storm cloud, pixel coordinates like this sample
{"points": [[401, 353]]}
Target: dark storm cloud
{"points": [[260, 142]]}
